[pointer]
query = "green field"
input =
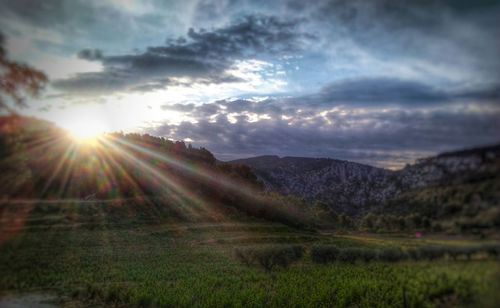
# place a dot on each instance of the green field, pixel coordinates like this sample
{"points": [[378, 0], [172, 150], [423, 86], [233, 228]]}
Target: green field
{"points": [[91, 254]]}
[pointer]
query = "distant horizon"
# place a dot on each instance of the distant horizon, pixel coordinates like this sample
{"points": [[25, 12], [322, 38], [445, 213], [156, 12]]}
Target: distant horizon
{"points": [[384, 164], [359, 162]]}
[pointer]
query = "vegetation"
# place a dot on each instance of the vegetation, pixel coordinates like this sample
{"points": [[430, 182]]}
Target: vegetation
{"points": [[17, 80], [271, 257], [329, 253], [95, 253]]}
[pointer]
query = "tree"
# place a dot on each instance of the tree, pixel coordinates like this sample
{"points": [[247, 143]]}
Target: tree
{"points": [[14, 170], [346, 221], [17, 80], [368, 222]]}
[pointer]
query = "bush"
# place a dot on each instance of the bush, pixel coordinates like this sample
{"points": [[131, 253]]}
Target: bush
{"points": [[432, 253], [454, 252], [270, 258], [297, 251], [492, 250], [468, 252], [414, 254], [391, 255], [367, 255], [245, 256], [324, 253], [350, 254]]}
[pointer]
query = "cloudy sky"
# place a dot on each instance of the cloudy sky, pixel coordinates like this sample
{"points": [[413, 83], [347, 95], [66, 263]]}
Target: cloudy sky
{"points": [[378, 82]]}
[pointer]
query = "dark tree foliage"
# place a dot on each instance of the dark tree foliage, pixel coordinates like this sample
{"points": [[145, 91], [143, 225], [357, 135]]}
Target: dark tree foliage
{"points": [[270, 258], [17, 80], [324, 253]]}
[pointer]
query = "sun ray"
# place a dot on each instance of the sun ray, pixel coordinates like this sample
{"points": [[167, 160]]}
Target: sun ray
{"points": [[64, 159], [175, 188], [199, 171]]}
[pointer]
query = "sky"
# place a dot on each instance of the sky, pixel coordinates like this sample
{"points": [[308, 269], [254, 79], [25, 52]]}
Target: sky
{"points": [[377, 82]]}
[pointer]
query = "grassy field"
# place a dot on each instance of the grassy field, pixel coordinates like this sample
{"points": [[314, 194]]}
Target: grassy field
{"points": [[90, 254]]}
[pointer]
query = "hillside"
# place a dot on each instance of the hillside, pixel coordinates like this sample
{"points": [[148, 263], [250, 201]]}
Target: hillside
{"points": [[346, 186], [40, 162], [455, 190]]}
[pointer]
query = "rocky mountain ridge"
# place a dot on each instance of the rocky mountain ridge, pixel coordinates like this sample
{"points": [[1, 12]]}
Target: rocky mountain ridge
{"points": [[351, 187]]}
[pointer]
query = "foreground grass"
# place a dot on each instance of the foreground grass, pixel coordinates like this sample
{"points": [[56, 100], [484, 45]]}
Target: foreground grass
{"points": [[191, 264]]}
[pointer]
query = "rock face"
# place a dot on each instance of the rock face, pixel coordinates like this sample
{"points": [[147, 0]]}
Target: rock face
{"points": [[353, 188], [451, 167]]}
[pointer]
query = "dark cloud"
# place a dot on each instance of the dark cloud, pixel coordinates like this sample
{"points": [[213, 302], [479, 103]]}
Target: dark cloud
{"points": [[179, 107], [93, 23], [383, 91], [440, 40], [91, 54], [204, 56], [378, 91], [378, 137], [344, 120]]}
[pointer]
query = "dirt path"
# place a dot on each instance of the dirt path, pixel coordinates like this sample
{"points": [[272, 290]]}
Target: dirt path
{"points": [[28, 300]]}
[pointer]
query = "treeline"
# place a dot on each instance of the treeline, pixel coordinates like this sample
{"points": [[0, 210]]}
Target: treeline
{"points": [[178, 148], [330, 253], [392, 223], [273, 257]]}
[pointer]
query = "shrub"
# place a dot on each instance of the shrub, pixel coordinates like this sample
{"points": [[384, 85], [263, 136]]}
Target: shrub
{"points": [[324, 253], [454, 252], [391, 255], [432, 253], [492, 250], [270, 258], [350, 255], [468, 252], [414, 254], [367, 255], [297, 251], [245, 256]]}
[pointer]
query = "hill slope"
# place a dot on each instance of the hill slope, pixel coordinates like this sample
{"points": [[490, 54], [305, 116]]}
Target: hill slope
{"points": [[41, 162], [425, 187], [344, 185]]}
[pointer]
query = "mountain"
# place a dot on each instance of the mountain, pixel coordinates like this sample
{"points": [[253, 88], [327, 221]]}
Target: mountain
{"points": [[344, 185], [356, 189], [459, 189]]}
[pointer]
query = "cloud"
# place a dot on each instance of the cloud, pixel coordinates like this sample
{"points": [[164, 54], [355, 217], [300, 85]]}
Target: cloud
{"points": [[389, 136], [440, 41], [91, 54], [106, 24], [380, 91], [384, 91], [371, 92], [342, 134], [202, 57]]}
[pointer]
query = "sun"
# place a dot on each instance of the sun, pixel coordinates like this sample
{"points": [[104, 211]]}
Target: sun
{"points": [[84, 131]]}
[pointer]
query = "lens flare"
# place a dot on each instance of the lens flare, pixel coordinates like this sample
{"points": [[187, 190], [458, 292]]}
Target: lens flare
{"points": [[84, 131]]}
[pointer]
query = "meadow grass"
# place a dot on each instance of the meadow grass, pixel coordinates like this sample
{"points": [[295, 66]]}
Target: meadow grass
{"points": [[192, 264]]}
